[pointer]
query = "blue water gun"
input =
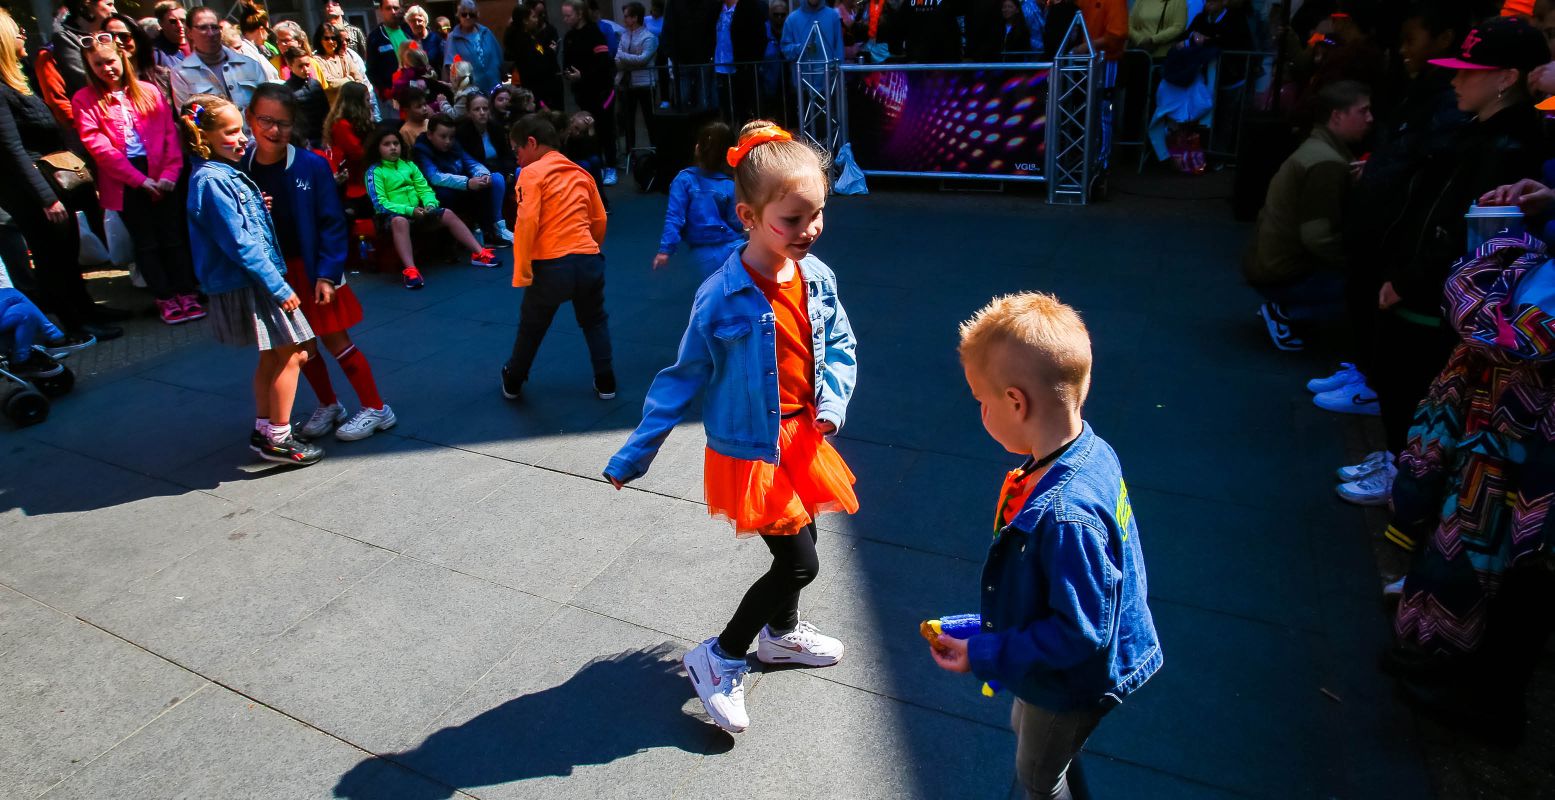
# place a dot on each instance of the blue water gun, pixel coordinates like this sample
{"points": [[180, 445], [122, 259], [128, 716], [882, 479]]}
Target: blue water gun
{"points": [[958, 626]]}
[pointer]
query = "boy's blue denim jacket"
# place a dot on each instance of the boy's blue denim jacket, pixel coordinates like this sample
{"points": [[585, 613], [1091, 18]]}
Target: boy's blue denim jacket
{"points": [[230, 233], [1065, 622], [730, 349]]}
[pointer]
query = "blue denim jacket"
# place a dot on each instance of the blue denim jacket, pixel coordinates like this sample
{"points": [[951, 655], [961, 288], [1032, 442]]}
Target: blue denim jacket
{"points": [[700, 211], [1064, 615], [230, 233], [730, 349]]}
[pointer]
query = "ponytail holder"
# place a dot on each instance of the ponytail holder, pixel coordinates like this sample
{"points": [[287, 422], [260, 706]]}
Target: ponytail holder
{"points": [[760, 136], [197, 111]]}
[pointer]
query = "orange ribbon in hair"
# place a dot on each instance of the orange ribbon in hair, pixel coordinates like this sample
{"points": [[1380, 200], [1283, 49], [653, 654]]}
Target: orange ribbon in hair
{"points": [[760, 136]]}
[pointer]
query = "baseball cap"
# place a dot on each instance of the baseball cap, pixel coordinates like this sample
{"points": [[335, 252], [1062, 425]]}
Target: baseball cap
{"points": [[1500, 43]]}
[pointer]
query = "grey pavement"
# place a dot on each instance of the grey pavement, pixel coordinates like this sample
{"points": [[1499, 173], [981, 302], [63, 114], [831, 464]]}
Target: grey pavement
{"points": [[461, 607]]}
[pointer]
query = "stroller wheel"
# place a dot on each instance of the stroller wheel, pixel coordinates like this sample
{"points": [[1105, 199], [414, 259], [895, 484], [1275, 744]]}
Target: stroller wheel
{"points": [[57, 385], [27, 407]]}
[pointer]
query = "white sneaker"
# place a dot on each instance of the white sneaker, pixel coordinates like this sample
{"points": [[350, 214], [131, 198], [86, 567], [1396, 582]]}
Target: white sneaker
{"points": [[1373, 462], [1394, 589], [1357, 398], [324, 420], [367, 422], [502, 231], [802, 645], [720, 685], [610, 176], [1372, 490], [1346, 375]]}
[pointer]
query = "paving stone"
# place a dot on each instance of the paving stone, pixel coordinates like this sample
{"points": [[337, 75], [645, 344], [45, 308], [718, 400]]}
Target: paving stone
{"points": [[543, 702], [204, 747], [406, 490], [203, 422], [816, 738], [71, 693], [234, 473], [381, 661], [210, 609], [78, 560], [530, 534]]}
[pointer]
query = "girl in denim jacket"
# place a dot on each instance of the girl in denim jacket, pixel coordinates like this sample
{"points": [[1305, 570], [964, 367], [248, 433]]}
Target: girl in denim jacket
{"points": [[238, 261], [771, 345], [701, 208]]}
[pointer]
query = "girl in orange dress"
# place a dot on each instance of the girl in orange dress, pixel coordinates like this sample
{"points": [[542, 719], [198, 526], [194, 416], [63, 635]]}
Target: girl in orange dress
{"points": [[770, 350]]}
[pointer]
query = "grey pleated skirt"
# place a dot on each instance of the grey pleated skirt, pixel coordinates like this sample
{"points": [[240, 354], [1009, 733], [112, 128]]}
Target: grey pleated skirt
{"points": [[245, 318]]}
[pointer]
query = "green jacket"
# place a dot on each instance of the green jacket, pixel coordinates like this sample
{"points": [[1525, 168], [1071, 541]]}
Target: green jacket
{"points": [[1298, 230], [1155, 25], [397, 187]]}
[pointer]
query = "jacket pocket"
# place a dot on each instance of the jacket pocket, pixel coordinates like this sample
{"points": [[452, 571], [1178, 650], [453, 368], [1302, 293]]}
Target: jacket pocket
{"points": [[731, 400]]}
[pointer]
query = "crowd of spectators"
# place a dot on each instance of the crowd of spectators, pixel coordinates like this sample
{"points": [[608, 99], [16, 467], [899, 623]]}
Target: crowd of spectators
{"points": [[1424, 119]]}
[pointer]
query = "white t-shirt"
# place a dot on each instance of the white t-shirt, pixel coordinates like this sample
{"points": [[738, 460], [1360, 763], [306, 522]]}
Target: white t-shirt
{"points": [[133, 146]]}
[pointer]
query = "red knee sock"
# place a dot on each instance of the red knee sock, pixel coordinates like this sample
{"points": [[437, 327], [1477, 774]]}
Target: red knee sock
{"points": [[318, 377], [360, 374]]}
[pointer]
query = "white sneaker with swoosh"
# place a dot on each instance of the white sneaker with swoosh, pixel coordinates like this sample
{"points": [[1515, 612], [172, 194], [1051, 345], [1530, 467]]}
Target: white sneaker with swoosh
{"points": [[720, 685], [802, 645]]}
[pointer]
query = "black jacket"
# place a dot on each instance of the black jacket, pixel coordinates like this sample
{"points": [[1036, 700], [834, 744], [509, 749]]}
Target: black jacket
{"points": [[314, 107], [585, 50], [933, 34], [1429, 233], [747, 30], [506, 162], [382, 61], [68, 56], [536, 64], [1059, 17], [687, 39], [28, 131]]}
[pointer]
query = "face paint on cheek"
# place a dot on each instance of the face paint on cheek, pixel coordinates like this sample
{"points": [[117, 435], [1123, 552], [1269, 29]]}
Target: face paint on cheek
{"points": [[774, 229]]}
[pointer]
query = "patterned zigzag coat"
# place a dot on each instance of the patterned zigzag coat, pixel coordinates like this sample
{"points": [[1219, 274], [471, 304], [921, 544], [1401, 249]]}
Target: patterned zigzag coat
{"points": [[1477, 478]]}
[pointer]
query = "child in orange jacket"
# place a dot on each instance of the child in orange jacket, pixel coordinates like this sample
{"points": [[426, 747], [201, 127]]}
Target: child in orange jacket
{"points": [[556, 256]]}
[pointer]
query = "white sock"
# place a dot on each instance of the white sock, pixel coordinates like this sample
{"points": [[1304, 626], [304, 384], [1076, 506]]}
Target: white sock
{"points": [[261, 424], [278, 433]]}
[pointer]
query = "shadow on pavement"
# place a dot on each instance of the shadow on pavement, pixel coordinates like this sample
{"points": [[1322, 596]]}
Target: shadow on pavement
{"points": [[552, 731]]}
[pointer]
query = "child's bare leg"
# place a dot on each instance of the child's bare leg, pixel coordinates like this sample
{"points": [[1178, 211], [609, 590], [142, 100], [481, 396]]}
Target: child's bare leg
{"points": [[399, 227], [264, 378], [460, 231], [283, 386]]}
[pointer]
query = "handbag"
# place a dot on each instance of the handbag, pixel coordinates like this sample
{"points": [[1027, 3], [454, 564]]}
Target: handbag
{"points": [[65, 172]]}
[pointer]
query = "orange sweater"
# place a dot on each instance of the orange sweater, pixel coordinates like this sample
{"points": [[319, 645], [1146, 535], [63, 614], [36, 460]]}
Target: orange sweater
{"points": [[1107, 22], [559, 214]]}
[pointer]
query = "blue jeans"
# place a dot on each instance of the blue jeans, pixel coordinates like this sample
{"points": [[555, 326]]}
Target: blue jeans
{"points": [[709, 257], [22, 324]]}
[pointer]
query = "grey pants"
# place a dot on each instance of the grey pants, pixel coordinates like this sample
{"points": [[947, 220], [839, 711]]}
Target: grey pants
{"points": [[1047, 749]]}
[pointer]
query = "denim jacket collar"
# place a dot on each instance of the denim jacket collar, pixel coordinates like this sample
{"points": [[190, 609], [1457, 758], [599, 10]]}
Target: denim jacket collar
{"points": [[1054, 479], [737, 279]]}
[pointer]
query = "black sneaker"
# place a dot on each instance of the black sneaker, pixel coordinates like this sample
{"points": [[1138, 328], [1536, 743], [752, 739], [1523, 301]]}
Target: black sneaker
{"points": [[37, 365], [605, 385], [1279, 328], [511, 388], [290, 451]]}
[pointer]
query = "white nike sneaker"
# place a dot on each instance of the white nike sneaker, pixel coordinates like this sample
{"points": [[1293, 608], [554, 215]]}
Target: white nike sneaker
{"points": [[1373, 490], [1346, 375], [367, 422], [324, 420], [1357, 398], [1374, 462], [802, 645], [720, 685]]}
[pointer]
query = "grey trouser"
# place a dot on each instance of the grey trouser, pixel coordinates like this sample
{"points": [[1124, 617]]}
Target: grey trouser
{"points": [[1047, 746]]}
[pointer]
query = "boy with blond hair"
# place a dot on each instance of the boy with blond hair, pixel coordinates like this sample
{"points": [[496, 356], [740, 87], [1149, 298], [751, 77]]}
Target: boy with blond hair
{"points": [[1065, 627]]}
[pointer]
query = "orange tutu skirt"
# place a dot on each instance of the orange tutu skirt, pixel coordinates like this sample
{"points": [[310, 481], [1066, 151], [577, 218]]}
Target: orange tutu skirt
{"points": [[766, 499]]}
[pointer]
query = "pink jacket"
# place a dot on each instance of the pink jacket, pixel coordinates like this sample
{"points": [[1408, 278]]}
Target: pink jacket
{"points": [[102, 134]]}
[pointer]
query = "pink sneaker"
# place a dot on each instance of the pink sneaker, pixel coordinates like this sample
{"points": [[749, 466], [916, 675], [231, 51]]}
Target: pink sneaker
{"points": [[192, 308], [171, 311]]}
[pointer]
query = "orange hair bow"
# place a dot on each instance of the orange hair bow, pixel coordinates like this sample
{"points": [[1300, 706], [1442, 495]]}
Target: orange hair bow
{"points": [[760, 136]]}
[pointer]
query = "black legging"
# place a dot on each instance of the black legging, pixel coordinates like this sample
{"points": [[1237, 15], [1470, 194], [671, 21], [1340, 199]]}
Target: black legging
{"points": [[774, 598], [159, 231], [56, 254]]}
